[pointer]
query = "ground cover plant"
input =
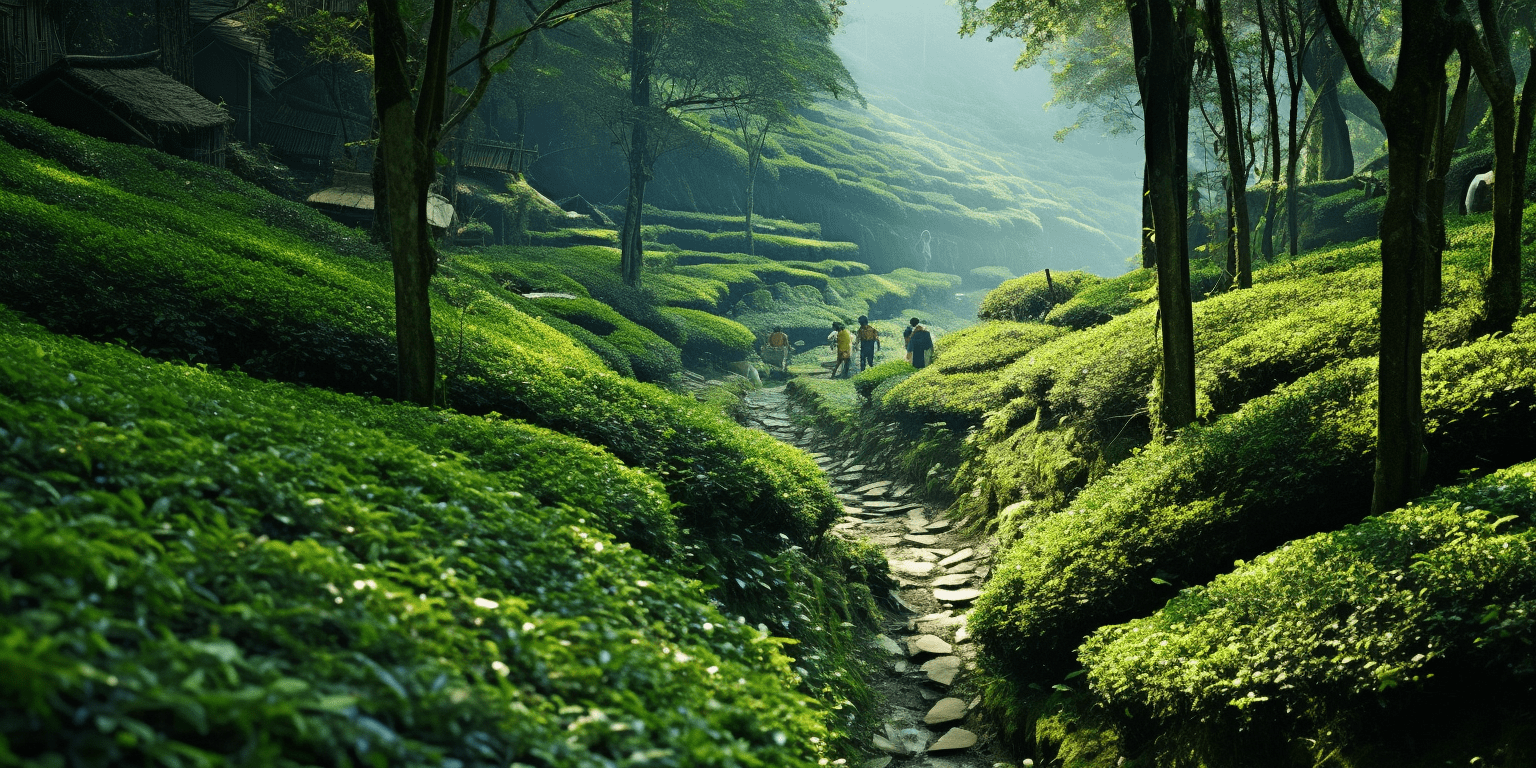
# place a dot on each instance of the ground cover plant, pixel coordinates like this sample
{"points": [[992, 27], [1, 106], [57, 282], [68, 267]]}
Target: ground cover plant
{"points": [[963, 382], [208, 569], [1032, 296], [185, 262], [1341, 637]]}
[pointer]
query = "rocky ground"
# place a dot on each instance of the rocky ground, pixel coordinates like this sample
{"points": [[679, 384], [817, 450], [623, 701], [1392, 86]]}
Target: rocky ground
{"points": [[926, 700]]}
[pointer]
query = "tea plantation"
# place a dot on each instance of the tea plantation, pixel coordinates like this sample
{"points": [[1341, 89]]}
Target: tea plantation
{"points": [[222, 546], [1221, 598]]}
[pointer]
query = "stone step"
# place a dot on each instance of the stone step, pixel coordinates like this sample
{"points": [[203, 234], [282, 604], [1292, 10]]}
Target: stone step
{"points": [[955, 595], [943, 669], [946, 711], [964, 554], [956, 738], [921, 644]]}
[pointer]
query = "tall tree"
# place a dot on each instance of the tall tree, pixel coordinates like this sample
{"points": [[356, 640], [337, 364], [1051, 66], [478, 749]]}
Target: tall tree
{"points": [[1445, 146], [1410, 111], [684, 57], [1163, 39], [1267, 64], [788, 31], [1237, 166], [1489, 55], [411, 100]]}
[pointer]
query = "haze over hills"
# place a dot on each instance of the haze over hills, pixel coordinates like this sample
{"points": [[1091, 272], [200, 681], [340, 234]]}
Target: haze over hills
{"points": [[910, 62]]}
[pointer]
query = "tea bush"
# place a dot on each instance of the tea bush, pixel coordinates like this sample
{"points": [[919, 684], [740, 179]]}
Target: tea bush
{"points": [[175, 263], [1339, 634], [962, 383], [865, 381], [651, 357], [712, 339], [205, 569], [1286, 465], [1030, 297]]}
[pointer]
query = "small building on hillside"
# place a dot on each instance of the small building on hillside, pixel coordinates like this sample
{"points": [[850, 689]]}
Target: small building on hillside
{"points": [[129, 100], [234, 67], [30, 40], [349, 200]]}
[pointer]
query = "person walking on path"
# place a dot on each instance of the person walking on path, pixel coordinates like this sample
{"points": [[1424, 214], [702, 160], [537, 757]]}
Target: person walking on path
{"points": [[842, 343], [919, 345], [777, 352], [906, 333], [869, 342]]}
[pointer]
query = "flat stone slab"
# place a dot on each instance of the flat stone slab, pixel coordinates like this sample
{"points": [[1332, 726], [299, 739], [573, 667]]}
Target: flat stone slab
{"points": [[872, 486], [946, 711], [943, 669], [956, 738], [968, 567], [927, 644], [877, 493], [955, 595], [850, 479], [922, 539], [964, 554], [880, 505], [911, 567], [938, 525], [885, 643], [953, 579]]}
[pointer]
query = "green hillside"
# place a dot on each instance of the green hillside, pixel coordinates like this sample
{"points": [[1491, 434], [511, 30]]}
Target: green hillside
{"points": [[540, 498], [1257, 616]]}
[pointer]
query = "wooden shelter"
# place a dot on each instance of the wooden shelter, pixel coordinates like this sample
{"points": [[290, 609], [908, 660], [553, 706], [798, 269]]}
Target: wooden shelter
{"points": [[128, 99], [234, 67], [349, 200], [495, 156], [30, 40]]}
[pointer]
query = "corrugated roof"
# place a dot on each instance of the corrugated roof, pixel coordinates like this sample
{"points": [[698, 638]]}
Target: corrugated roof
{"points": [[355, 191], [136, 85]]}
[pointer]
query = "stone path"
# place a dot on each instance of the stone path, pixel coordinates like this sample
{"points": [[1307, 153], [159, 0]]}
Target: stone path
{"points": [[926, 701]]}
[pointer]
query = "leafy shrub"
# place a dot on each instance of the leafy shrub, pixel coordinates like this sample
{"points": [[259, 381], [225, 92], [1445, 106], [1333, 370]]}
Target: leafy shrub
{"points": [[865, 381], [711, 338], [1368, 626], [1030, 297], [177, 265], [651, 357], [1099, 303], [612, 356], [1285, 465], [963, 383], [775, 247], [987, 277], [207, 569]]}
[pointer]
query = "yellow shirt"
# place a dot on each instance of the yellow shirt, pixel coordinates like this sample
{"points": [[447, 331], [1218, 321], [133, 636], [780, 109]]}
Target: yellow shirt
{"points": [[844, 341]]}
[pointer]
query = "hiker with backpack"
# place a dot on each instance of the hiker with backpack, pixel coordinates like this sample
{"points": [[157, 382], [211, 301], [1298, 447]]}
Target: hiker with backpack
{"points": [[869, 342]]}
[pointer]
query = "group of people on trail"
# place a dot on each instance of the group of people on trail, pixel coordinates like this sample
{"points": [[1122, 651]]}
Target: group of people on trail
{"points": [[915, 337]]}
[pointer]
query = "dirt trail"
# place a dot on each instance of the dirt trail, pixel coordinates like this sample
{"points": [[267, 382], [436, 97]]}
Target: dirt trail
{"points": [[926, 700]]}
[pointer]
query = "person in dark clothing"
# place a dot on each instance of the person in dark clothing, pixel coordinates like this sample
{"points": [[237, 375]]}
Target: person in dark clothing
{"points": [[919, 346], [906, 333], [869, 341]]}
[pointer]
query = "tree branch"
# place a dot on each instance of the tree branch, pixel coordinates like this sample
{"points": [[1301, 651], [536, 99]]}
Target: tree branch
{"points": [[544, 20], [1373, 89], [230, 12]]}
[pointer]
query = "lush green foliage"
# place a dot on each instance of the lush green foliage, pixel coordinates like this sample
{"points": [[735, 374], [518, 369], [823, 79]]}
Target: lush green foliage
{"points": [[185, 262], [1340, 630], [865, 381], [1285, 465], [963, 381], [651, 357], [712, 222], [1032, 296], [777, 247], [205, 569], [711, 339], [987, 277]]}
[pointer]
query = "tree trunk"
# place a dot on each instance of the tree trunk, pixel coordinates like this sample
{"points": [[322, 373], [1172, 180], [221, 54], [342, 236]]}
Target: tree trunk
{"points": [[1511, 142], [631, 251], [1162, 38], [1322, 67], [1288, 41], [1271, 200], [404, 173], [1237, 168], [1148, 241], [173, 19], [1408, 111], [1445, 146]]}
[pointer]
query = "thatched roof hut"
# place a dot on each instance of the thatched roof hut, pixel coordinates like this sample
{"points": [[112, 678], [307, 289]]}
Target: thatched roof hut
{"points": [[349, 200], [128, 99]]}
